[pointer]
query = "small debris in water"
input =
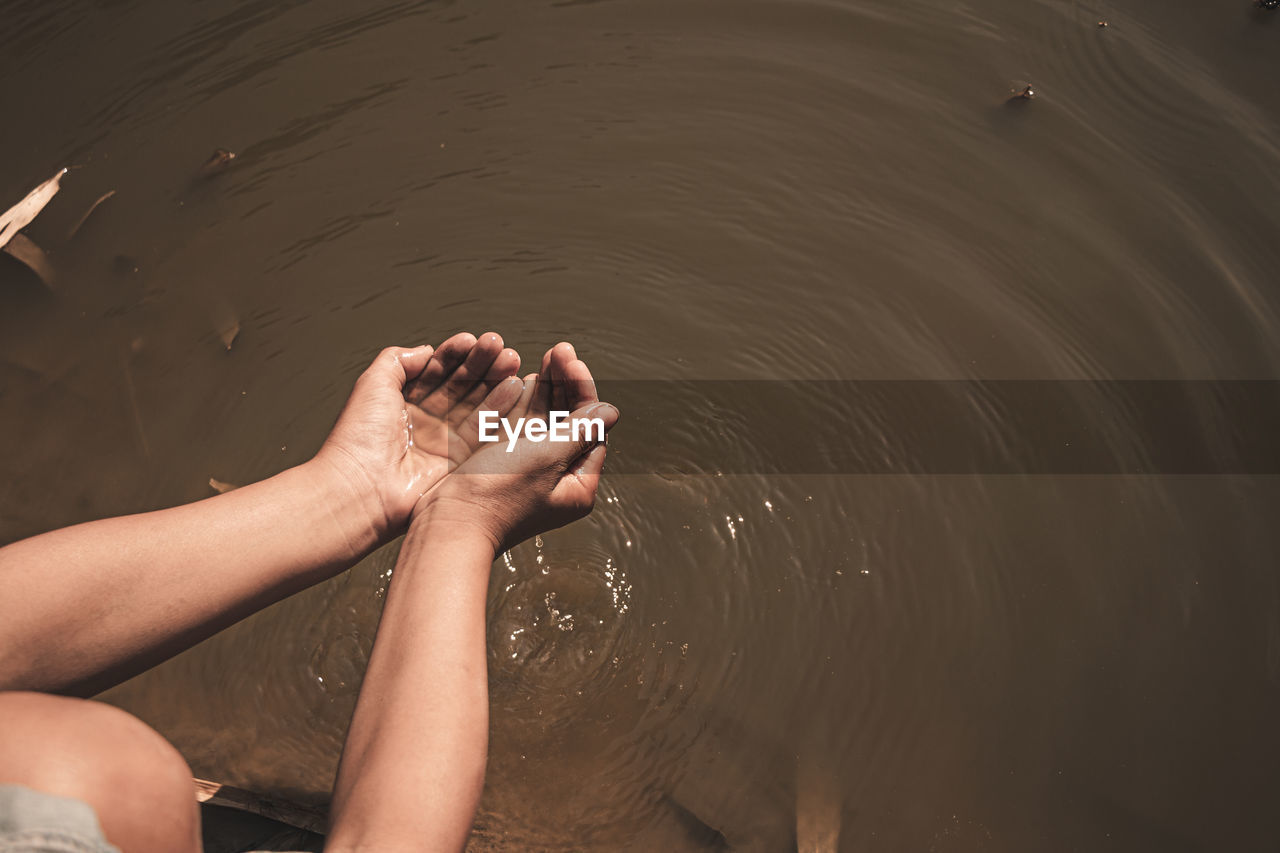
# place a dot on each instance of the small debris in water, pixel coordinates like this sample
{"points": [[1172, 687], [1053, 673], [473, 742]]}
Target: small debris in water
{"points": [[1103, 24], [219, 160], [229, 333], [80, 223], [1269, 4], [1025, 94], [220, 487]]}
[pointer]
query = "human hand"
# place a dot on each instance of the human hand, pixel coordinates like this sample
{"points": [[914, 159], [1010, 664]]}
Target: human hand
{"points": [[509, 496], [397, 436]]}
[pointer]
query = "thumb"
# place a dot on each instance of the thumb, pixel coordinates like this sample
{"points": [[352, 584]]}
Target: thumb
{"points": [[588, 467], [588, 426], [396, 366]]}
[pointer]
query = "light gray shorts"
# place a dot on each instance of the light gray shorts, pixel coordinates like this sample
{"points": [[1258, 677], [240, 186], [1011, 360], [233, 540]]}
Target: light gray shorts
{"points": [[32, 822]]}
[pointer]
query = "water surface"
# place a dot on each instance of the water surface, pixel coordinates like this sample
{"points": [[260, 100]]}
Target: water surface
{"points": [[694, 189]]}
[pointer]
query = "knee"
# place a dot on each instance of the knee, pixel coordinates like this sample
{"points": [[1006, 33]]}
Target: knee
{"points": [[139, 785]]}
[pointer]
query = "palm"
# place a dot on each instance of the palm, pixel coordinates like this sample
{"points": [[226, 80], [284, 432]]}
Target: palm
{"points": [[533, 486], [404, 426]]}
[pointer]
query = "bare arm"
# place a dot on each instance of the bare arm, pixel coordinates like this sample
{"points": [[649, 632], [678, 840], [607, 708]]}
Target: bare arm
{"points": [[86, 607], [413, 765], [412, 769]]}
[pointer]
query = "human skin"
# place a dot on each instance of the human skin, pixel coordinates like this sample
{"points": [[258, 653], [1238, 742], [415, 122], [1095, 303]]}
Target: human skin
{"points": [[86, 607], [412, 768]]}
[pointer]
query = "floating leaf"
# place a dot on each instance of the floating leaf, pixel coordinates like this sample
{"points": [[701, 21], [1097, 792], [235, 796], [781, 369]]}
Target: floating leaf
{"points": [[20, 215], [221, 487], [21, 248], [80, 224]]}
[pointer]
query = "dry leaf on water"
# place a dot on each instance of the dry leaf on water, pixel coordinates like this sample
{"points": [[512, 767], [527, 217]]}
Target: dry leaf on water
{"points": [[80, 223], [221, 487], [20, 215], [33, 256]]}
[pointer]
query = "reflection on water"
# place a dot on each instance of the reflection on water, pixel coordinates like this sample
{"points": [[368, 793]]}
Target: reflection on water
{"points": [[727, 189]]}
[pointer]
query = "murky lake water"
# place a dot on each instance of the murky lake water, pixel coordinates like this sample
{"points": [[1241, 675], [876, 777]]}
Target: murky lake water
{"points": [[694, 189]]}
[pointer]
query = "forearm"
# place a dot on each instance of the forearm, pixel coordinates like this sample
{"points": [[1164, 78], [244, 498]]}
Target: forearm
{"points": [[87, 606], [412, 769]]}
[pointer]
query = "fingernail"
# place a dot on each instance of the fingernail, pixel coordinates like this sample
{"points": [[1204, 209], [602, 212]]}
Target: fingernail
{"points": [[603, 410]]}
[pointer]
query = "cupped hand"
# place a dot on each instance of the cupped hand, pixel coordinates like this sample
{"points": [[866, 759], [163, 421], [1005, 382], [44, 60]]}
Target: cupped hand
{"points": [[398, 434], [509, 496]]}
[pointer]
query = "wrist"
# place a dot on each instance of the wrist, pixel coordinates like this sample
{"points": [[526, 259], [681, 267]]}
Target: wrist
{"points": [[445, 520], [351, 501]]}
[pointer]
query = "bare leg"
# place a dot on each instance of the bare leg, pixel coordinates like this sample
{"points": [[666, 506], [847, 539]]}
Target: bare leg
{"points": [[133, 778]]}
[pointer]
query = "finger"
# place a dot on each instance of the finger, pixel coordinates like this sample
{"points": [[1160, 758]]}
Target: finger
{"points": [[394, 366], [505, 366], [577, 489], [501, 400], [541, 403], [522, 406], [477, 364], [580, 387], [415, 360], [588, 427], [561, 356], [450, 399], [589, 467], [442, 363]]}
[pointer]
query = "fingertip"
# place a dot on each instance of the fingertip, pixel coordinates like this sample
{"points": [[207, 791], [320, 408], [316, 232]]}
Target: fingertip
{"points": [[579, 387], [507, 364], [504, 396], [415, 360], [490, 339], [606, 412], [462, 340]]}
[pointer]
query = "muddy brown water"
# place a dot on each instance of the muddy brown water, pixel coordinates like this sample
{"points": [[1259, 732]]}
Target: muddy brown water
{"points": [[695, 189]]}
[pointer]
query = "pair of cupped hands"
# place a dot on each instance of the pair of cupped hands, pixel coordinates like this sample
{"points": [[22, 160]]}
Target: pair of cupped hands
{"points": [[408, 440]]}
